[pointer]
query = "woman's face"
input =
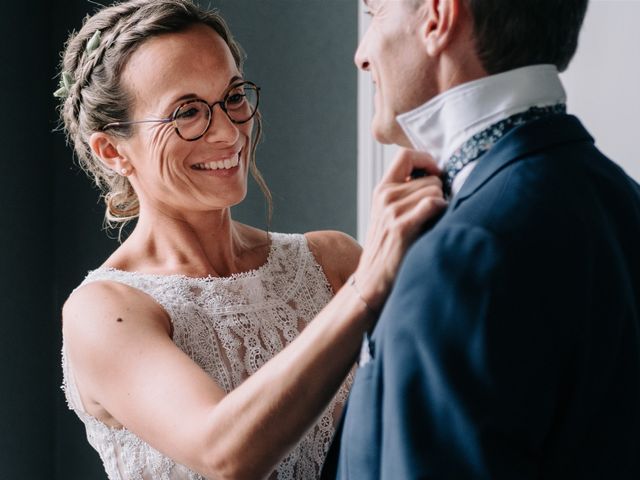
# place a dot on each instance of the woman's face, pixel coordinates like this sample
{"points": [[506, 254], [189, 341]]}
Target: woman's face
{"points": [[171, 175]]}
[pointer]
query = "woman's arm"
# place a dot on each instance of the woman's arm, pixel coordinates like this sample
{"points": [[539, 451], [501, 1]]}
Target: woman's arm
{"points": [[118, 340]]}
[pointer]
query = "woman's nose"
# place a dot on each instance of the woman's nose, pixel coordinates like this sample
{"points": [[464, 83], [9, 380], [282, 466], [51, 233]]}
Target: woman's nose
{"points": [[222, 129]]}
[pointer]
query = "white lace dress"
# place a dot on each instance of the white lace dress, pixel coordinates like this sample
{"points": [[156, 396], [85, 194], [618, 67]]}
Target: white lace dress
{"points": [[230, 327]]}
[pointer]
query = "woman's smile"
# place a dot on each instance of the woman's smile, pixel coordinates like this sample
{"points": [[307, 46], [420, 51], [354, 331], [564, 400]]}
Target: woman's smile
{"points": [[221, 167]]}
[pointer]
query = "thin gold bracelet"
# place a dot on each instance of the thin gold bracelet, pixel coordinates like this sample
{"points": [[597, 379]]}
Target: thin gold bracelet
{"points": [[352, 284]]}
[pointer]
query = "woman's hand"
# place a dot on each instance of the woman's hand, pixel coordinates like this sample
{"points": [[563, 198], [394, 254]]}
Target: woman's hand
{"points": [[401, 206]]}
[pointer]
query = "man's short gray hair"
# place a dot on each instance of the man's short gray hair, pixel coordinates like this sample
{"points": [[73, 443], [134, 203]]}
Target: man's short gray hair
{"points": [[515, 33], [512, 34]]}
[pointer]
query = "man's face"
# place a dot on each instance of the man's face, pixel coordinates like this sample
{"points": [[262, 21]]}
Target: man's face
{"points": [[393, 51]]}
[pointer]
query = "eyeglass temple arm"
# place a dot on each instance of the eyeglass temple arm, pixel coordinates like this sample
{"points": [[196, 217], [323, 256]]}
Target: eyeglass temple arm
{"points": [[133, 122]]}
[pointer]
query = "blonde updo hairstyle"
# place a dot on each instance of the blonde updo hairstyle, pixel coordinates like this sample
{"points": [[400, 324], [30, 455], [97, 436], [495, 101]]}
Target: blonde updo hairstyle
{"points": [[97, 97]]}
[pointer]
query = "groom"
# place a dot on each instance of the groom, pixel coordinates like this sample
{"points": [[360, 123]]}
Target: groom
{"points": [[509, 347]]}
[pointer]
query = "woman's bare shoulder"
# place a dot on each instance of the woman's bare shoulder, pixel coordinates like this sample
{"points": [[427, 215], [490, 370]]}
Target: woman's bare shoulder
{"points": [[336, 252], [94, 310]]}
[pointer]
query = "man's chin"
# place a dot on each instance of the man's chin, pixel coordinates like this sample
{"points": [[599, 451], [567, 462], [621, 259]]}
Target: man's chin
{"points": [[389, 132]]}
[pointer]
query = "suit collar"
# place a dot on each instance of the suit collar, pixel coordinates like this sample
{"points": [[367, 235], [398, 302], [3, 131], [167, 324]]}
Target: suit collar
{"points": [[519, 143]]}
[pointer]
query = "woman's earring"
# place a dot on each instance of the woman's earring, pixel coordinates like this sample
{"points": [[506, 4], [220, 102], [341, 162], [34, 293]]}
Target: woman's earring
{"points": [[124, 171]]}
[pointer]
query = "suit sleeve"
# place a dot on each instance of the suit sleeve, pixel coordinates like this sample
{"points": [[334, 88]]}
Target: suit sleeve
{"points": [[467, 356]]}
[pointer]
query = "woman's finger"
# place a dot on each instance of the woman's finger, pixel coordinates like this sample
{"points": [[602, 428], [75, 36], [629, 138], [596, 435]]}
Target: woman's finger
{"points": [[415, 217], [387, 193], [409, 201], [405, 162]]}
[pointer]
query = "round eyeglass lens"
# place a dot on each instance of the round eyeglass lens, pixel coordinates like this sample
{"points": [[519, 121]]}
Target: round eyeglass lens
{"points": [[241, 102], [192, 119]]}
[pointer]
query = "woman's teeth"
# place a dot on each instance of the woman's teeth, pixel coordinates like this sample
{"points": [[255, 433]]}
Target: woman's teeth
{"points": [[219, 164]]}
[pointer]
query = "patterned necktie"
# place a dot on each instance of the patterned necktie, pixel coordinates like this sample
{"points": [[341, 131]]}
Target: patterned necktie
{"points": [[482, 142]]}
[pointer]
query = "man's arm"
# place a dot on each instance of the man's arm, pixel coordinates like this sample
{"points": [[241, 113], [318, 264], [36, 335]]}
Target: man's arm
{"points": [[469, 367]]}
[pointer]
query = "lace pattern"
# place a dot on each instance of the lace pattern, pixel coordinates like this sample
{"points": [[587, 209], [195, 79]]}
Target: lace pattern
{"points": [[230, 327]]}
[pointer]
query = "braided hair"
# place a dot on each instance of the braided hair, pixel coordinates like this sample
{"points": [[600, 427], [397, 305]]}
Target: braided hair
{"points": [[97, 97]]}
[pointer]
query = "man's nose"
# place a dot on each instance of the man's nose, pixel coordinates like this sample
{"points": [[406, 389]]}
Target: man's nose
{"points": [[361, 59]]}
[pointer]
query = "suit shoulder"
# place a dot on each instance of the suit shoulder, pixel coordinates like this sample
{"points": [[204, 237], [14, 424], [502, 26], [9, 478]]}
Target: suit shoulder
{"points": [[455, 246], [455, 236]]}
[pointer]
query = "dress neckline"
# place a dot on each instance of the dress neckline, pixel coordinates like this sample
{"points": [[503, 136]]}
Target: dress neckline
{"points": [[255, 272]]}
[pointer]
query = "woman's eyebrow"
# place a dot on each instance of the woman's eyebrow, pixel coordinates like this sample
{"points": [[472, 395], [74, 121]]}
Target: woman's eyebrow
{"points": [[191, 96], [234, 79]]}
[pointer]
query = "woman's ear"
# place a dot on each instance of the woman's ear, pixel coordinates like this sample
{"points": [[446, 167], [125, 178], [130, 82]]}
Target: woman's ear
{"points": [[441, 19], [106, 149]]}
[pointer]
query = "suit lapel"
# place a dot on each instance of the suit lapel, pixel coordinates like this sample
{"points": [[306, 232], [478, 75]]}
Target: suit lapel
{"points": [[520, 143]]}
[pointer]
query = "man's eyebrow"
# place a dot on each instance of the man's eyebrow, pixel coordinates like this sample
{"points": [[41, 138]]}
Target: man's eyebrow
{"points": [[371, 4]]}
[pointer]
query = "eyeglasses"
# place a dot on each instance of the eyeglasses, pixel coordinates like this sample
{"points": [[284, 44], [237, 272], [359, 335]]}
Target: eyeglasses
{"points": [[192, 119]]}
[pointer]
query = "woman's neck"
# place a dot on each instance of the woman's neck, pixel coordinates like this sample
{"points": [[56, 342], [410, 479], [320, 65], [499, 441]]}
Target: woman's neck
{"points": [[197, 245]]}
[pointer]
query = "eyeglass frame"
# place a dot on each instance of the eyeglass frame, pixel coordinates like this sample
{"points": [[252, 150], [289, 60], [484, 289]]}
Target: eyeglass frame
{"points": [[172, 118]]}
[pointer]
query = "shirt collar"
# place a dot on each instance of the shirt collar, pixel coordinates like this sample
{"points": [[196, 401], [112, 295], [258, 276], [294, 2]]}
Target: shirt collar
{"points": [[442, 124]]}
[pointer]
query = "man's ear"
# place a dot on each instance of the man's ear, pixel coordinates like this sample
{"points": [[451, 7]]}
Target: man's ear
{"points": [[441, 20], [105, 147]]}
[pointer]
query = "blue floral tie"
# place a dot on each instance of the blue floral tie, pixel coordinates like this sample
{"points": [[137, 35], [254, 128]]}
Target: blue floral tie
{"points": [[482, 142]]}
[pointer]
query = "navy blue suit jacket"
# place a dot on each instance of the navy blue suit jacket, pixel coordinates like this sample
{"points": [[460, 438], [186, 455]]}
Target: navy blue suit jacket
{"points": [[509, 347]]}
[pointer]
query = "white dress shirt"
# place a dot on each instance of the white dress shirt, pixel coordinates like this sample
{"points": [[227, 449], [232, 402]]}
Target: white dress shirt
{"points": [[444, 123]]}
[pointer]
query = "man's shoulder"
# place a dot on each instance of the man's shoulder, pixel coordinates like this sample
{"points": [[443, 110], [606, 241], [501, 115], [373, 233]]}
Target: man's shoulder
{"points": [[454, 245], [536, 193]]}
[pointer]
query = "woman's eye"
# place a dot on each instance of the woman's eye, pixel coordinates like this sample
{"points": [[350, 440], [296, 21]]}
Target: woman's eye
{"points": [[235, 99], [189, 112]]}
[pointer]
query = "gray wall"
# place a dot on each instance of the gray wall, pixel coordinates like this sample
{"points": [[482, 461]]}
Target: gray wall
{"points": [[299, 52]]}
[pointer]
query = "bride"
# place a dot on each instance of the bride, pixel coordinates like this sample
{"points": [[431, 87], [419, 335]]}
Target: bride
{"points": [[204, 348]]}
